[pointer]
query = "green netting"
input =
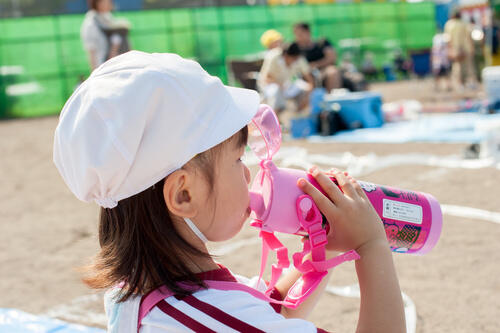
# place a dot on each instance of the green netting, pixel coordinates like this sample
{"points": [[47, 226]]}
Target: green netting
{"points": [[148, 21], [417, 34], [42, 58], [39, 98], [422, 10], [291, 14], [342, 12], [69, 25], [180, 19], [27, 29], [206, 18], [377, 12], [377, 32]]}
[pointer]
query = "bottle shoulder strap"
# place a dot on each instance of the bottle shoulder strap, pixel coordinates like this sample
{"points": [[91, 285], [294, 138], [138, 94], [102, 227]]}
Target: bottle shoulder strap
{"points": [[149, 301]]}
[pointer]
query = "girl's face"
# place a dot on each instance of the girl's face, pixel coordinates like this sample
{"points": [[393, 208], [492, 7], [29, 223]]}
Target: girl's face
{"points": [[229, 208], [104, 6]]}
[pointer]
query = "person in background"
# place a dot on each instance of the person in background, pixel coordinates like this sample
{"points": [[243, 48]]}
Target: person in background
{"points": [[402, 64], [460, 52], [271, 39], [285, 75], [320, 55], [440, 62], [478, 42], [368, 66], [103, 36], [351, 77]]}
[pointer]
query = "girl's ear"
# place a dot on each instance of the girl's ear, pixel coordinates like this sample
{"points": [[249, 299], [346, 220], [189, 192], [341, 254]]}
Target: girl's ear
{"points": [[177, 193]]}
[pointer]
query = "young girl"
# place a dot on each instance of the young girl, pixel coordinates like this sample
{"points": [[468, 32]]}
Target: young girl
{"points": [[157, 143]]}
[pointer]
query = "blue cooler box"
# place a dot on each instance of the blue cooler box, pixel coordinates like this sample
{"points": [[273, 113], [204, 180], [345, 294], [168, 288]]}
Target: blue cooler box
{"points": [[357, 109], [304, 127]]}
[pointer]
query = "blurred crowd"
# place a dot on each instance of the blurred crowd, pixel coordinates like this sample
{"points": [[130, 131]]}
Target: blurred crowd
{"points": [[458, 54], [289, 71], [292, 70]]}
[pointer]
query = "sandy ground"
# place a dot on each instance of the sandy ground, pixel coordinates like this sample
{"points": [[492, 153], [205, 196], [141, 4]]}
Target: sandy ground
{"points": [[46, 234]]}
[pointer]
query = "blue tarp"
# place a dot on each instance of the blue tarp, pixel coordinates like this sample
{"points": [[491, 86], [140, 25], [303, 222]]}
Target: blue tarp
{"points": [[15, 321], [457, 127]]}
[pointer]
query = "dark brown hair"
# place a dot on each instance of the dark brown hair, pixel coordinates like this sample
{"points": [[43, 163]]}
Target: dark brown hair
{"points": [[139, 243], [302, 25], [92, 4]]}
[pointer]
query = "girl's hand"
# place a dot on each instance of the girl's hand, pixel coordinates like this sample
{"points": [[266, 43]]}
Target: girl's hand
{"points": [[354, 224]]}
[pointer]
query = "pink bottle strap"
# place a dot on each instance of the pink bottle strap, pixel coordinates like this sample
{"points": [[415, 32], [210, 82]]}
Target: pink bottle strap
{"points": [[150, 300], [311, 221], [313, 270], [271, 242]]}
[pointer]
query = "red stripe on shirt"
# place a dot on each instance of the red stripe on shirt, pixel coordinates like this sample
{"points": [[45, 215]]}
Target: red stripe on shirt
{"points": [[275, 294], [220, 274], [319, 330], [219, 315], [182, 318]]}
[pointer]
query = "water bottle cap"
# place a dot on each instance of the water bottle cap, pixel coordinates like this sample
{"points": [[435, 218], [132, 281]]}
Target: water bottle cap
{"points": [[264, 133]]}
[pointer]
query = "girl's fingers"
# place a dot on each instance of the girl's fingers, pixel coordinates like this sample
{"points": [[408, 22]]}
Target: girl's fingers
{"points": [[324, 204], [346, 185], [359, 189], [327, 184]]}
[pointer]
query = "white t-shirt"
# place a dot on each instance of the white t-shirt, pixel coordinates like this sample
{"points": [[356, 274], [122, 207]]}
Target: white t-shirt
{"points": [[274, 65], [206, 310], [93, 38]]}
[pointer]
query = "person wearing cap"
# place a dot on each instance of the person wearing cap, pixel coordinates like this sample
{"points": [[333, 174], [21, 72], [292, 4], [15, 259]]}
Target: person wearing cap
{"points": [[271, 39], [157, 142]]}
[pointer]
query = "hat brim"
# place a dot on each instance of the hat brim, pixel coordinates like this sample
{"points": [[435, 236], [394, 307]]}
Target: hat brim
{"points": [[242, 107]]}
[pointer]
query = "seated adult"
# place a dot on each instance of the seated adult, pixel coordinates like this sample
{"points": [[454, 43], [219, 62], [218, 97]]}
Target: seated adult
{"points": [[320, 55], [285, 75]]}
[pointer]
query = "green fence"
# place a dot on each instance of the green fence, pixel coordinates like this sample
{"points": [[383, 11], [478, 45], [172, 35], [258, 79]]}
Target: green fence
{"points": [[42, 60]]}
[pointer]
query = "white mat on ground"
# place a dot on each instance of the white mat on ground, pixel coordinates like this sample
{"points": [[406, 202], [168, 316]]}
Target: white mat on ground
{"points": [[16, 321], [457, 127]]}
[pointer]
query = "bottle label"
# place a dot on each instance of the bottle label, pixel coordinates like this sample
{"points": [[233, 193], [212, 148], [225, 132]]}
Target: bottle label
{"points": [[407, 216], [402, 211]]}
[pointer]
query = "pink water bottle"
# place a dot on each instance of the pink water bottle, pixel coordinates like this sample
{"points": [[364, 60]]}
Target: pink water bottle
{"points": [[412, 220]]}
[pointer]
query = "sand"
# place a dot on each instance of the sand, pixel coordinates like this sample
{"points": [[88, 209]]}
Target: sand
{"points": [[47, 233]]}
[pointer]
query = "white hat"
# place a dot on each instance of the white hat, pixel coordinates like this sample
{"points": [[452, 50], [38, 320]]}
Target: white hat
{"points": [[138, 118]]}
